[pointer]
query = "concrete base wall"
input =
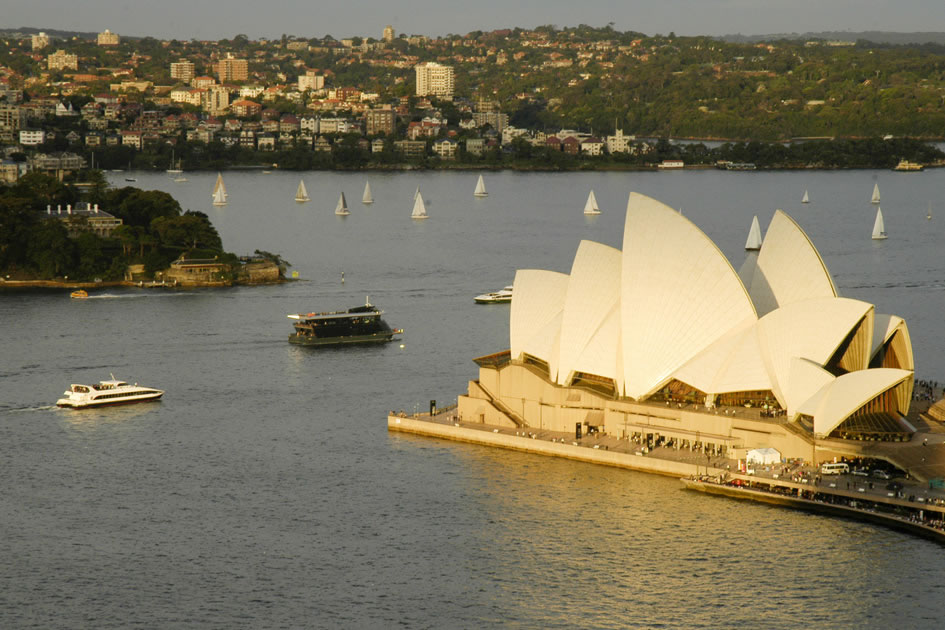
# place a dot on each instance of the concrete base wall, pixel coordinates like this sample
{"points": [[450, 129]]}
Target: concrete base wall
{"points": [[547, 406], [543, 447]]}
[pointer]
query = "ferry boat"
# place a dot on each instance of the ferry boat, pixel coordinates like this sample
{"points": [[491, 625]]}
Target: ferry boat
{"points": [[110, 392], [496, 297], [906, 165], [361, 324]]}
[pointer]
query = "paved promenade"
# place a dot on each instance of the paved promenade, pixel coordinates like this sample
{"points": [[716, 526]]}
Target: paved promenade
{"points": [[909, 498]]}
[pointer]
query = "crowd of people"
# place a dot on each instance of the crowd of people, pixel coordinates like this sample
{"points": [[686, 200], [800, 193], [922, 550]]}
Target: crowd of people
{"points": [[927, 390]]}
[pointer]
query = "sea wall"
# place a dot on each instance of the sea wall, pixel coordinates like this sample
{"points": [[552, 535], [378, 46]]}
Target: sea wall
{"points": [[566, 450]]}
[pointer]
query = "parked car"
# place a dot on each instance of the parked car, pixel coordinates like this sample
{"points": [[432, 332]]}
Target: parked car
{"points": [[881, 474], [861, 472]]}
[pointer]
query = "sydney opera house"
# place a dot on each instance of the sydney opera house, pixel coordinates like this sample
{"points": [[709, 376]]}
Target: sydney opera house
{"points": [[666, 338]]}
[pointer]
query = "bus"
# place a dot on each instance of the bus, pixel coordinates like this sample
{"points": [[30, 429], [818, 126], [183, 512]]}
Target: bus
{"points": [[834, 469]]}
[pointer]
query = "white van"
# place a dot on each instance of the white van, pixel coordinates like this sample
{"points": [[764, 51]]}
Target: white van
{"points": [[834, 469]]}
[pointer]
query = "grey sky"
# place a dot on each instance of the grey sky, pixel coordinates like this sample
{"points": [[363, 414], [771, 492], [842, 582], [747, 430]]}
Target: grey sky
{"points": [[216, 19]]}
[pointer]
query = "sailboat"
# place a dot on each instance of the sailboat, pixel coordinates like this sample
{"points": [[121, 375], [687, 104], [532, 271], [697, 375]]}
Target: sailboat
{"points": [[219, 197], [879, 228], [754, 236], [806, 198], [419, 210], [591, 206], [342, 207], [301, 195], [875, 197], [366, 198], [175, 168], [480, 188], [219, 187]]}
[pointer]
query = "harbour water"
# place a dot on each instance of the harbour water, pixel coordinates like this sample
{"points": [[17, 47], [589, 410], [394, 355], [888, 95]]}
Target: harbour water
{"points": [[265, 491]]}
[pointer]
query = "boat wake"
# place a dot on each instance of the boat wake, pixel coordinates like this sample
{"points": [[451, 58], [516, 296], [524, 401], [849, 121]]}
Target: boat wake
{"points": [[128, 296], [22, 409], [931, 284]]}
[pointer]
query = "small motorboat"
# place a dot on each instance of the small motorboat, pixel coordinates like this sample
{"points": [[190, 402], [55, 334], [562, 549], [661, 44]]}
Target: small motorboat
{"points": [[79, 294], [495, 297]]}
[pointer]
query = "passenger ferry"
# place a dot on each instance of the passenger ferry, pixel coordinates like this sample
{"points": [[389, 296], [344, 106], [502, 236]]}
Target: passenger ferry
{"points": [[111, 392], [495, 297], [361, 324]]}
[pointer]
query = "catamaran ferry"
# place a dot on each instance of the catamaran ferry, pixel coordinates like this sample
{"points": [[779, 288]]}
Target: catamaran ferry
{"points": [[111, 392], [361, 324]]}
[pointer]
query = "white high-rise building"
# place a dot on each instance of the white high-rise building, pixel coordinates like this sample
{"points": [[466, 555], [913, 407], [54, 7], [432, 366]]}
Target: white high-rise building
{"points": [[434, 79], [388, 35], [40, 41]]}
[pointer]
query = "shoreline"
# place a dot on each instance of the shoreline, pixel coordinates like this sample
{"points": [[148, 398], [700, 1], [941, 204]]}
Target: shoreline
{"points": [[584, 166], [29, 285], [705, 477]]}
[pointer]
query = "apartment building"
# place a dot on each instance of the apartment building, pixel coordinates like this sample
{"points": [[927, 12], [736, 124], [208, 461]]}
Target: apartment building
{"points": [[434, 79], [40, 41], [108, 38], [183, 71], [379, 121], [231, 69], [61, 60]]}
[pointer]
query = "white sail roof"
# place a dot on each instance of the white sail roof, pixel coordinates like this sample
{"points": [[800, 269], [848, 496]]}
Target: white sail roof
{"points": [[805, 379], [890, 329], [840, 398], [669, 306], [812, 329], [601, 354], [679, 294], [734, 363], [593, 290], [789, 268], [536, 312]]}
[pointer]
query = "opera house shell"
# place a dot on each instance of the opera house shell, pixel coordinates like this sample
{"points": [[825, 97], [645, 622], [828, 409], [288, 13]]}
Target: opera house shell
{"points": [[666, 336]]}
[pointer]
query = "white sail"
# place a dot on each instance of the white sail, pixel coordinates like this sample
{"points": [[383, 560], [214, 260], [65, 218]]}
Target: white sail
{"points": [[591, 206], [754, 235], [419, 210], [480, 188], [219, 186], [175, 167], [806, 198], [301, 195], [342, 207], [416, 193], [366, 198], [219, 197], [879, 228], [875, 197]]}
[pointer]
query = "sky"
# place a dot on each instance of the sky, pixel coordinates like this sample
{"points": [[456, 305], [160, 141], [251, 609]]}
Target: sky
{"points": [[218, 19]]}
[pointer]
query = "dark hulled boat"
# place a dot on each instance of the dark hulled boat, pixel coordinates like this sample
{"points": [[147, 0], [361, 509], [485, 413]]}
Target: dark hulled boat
{"points": [[361, 324]]}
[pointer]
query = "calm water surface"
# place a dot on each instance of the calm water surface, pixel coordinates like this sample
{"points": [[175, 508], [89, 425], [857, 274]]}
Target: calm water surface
{"points": [[265, 491]]}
